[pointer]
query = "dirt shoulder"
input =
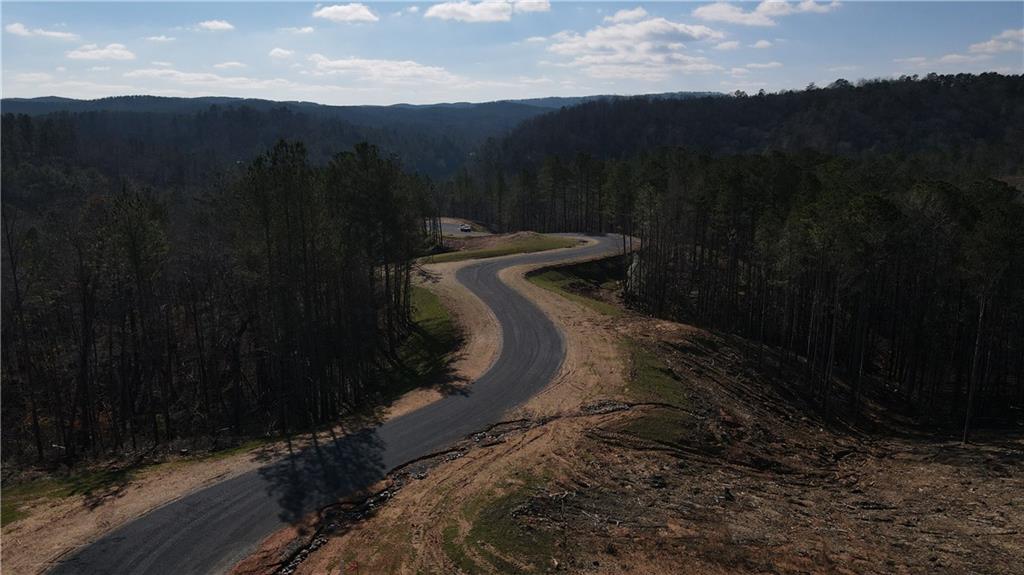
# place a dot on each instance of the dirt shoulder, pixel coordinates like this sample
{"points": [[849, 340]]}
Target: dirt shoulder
{"points": [[665, 448], [481, 336], [54, 526], [31, 544]]}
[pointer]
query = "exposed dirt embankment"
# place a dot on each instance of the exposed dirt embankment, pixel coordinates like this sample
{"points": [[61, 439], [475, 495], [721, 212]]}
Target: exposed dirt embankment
{"points": [[664, 448]]}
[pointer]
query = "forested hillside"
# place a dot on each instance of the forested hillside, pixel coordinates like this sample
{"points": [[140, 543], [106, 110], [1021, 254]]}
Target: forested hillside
{"points": [[410, 131], [263, 301], [187, 149], [974, 121], [184, 141], [885, 254]]}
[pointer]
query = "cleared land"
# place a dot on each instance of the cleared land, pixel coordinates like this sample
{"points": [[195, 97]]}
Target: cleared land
{"points": [[701, 453]]}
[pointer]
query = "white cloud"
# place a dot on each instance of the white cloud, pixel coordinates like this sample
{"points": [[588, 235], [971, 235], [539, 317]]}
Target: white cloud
{"points": [[384, 71], [523, 6], [210, 81], [229, 65], [19, 29], [466, 11], [731, 13], [95, 52], [637, 13], [737, 72], [354, 12], [764, 65], [1007, 41], [35, 84], [761, 44], [414, 9], [281, 53], [961, 58], [946, 60], [160, 38], [743, 85], [649, 49], [730, 45], [763, 15], [297, 30], [216, 25], [32, 77], [536, 39], [99, 68], [485, 10], [161, 63]]}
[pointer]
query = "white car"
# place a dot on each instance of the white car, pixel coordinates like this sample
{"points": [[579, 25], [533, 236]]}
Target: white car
{"points": [[465, 228]]}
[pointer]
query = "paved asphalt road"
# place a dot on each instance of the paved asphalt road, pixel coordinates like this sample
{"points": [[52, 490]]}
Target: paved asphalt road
{"points": [[211, 530]]}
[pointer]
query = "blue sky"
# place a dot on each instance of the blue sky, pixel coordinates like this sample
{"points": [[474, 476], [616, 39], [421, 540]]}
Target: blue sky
{"points": [[385, 53]]}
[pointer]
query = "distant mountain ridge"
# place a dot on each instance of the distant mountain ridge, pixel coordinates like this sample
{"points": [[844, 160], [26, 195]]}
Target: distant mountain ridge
{"points": [[173, 104], [960, 115], [433, 139]]}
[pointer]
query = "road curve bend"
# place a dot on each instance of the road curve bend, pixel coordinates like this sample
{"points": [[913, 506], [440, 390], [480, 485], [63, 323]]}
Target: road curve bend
{"points": [[212, 529]]}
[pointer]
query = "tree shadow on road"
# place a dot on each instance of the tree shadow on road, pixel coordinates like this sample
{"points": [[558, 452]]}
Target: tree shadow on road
{"points": [[320, 473]]}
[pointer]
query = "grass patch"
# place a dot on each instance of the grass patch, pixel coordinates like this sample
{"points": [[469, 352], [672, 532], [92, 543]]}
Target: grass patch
{"points": [[500, 538], [496, 526], [575, 281], [517, 246], [455, 551], [660, 426], [650, 379], [424, 355], [498, 531], [87, 483]]}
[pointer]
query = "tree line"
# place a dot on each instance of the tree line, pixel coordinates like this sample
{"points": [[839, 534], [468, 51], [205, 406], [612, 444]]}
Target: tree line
{"points": [[270, 300], [960, 122], [188, 147], [861, 269]]}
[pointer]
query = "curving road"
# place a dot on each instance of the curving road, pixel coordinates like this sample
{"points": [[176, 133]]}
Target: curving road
{"points": [[211, 530]]}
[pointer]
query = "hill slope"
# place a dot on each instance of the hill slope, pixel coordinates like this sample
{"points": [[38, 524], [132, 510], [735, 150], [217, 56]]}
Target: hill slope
{"points": [[973, 118], [432, 139]]}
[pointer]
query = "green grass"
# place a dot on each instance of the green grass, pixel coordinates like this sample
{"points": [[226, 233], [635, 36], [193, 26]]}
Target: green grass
{"points": [[424, 356], [97, 482], [497, 539], [573, 282], [88, 483], [660, 426], [496, 527], [455, 551], [518, 246], [650, 379]]}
